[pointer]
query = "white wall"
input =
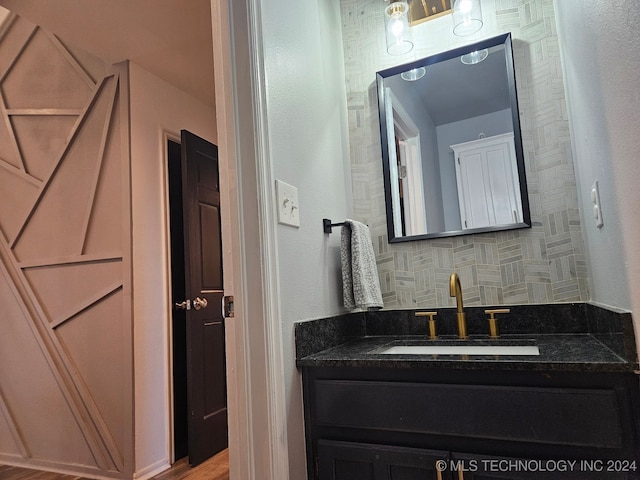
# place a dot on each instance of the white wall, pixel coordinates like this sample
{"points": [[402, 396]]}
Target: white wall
{"points": [[308, 148], [156, 108], [599, 44]]}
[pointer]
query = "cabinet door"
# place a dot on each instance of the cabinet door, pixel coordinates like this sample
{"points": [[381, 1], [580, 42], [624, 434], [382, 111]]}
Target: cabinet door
{"points": [[359, 461], [488, 185]]}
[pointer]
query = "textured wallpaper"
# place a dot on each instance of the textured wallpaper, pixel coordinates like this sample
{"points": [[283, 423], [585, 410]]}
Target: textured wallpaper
{"points": [[543, 264]]}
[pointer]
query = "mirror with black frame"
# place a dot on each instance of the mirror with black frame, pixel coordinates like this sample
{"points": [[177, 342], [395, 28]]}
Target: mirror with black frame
{"points": [[452, 152]]}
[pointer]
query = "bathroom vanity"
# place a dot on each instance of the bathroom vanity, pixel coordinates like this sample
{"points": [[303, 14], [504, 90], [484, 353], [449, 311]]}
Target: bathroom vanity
{"points": [[569, 412]]}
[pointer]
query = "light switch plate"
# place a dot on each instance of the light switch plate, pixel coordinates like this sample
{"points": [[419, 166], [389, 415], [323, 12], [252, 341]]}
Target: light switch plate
{"points": [[288, 207]]}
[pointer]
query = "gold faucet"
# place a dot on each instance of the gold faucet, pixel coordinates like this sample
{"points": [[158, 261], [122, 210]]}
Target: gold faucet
{"points": [[455, 290]]}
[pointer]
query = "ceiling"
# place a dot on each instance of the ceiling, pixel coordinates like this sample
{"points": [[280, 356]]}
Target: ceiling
{"points": [[169, 38], [452, 91]]}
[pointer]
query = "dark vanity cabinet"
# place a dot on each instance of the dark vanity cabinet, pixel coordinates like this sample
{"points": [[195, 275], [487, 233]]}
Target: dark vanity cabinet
{"points": [[405, 424], [352, 460]]}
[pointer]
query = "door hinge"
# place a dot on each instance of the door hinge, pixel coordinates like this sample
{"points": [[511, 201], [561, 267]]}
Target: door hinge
{"points": [[227, 306]]}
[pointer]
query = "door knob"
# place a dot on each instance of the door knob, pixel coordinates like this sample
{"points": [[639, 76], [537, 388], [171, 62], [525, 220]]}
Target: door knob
{"points": [[199, 303], [186, 305]]}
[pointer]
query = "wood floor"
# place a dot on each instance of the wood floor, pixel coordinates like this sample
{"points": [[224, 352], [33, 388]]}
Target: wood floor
{"points": [[216, 468]]}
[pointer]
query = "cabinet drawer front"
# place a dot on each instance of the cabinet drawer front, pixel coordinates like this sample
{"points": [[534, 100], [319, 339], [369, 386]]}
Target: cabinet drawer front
{"points": [[569, 416], [350, 461]]}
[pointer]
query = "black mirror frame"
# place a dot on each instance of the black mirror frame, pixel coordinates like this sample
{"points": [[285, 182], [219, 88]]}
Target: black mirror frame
{"points": [[505, 40]]}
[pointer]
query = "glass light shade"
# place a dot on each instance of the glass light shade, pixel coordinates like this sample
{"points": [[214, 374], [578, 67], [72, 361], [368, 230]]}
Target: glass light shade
{"points": [[467, 17], [474, 57], [413, 74], [397, 28]]}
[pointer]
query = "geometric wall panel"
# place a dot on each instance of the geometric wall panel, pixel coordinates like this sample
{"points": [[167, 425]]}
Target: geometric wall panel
{"points": [[63, 211], [8, 151], [94, 67], [96, 346], [7, 440], [13, 42], [64, 290], [41, 78], [105, 229], [66, 361], [24, 365], [41, 139], [17, 195]]}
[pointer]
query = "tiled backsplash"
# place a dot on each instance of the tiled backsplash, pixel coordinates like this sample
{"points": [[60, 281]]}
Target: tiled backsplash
{"points": [[543, 264]]}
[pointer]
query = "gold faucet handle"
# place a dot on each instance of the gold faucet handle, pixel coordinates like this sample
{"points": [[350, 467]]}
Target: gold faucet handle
{"points": [[493, 323], [432, 323]]}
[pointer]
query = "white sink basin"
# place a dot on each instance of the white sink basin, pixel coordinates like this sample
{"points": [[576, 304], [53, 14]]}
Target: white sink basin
{"points": [[462, 350]]}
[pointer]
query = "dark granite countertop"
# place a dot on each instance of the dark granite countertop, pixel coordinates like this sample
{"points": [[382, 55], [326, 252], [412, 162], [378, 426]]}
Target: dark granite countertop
{"points": [[570, 337], [558, 352]]}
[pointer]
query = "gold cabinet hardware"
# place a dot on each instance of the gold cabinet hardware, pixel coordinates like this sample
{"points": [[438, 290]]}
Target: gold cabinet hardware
{"points": [[432, 323], [493, 323]]}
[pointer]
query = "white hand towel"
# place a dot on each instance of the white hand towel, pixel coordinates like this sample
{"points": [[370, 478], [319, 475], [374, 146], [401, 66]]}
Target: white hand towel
{"points": [[360, 282]]}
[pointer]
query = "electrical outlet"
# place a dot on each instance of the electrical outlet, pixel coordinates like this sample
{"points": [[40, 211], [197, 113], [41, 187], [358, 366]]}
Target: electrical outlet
{"points": [[288, 208]]}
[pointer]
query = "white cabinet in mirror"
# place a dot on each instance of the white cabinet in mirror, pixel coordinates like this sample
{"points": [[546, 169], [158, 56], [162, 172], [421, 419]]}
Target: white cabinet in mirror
{"points": [[487, 180]]}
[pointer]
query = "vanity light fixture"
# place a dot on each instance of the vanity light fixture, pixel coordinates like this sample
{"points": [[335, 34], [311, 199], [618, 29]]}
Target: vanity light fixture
{"points": [[413, 74], [474, 57], [467, 17], [397, 29]]}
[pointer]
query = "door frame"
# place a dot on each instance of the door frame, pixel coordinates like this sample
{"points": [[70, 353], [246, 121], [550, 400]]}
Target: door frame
{"points": [[257, 407], [166, 137], [257, 413], [258, 445], [400, 125]]}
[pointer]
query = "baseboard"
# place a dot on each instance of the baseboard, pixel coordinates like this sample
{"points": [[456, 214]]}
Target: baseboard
{"points": [[55, 467], [152, 470]]}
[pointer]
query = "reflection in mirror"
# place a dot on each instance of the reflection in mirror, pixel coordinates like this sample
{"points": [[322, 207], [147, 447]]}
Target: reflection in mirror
{"points": [[452, 151]]}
